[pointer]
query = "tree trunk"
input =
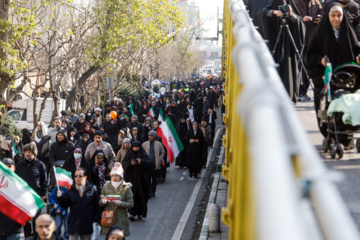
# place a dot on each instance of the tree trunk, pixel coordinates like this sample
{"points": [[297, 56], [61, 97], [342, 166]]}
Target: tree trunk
{"points": [[82, 80], [5, 78]]}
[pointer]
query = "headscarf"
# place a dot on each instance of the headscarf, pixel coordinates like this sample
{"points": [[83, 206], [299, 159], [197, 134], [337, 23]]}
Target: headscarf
{"points": [[78, 161], [151, 122], [84, 130], [101, 170]]}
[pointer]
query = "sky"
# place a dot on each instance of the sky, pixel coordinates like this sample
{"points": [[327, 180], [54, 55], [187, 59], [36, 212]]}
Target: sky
{"points": [[208, 8]]}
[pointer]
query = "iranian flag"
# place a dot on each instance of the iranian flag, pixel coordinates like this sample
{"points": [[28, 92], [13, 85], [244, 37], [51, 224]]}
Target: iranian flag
{"points": [[151, 113], [18, 200], [161, 115], [63, 178], [170, 139], [131, 106]]}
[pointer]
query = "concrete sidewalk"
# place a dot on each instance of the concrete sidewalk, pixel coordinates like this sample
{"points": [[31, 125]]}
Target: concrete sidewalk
{"points": [[218, 196]]}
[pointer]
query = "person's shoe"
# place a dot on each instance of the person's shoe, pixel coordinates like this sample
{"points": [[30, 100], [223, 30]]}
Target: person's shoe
{"points": [[139, 217], [196, 176], [307, 97], [132, 218], [301, 98]]}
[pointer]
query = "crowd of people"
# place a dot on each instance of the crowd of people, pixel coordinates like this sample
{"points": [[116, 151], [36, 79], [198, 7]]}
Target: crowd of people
{"points": [[115, 157], [307, 26]]}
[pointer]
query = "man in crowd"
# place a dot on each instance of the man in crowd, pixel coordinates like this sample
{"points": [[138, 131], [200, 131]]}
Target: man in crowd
{"points": [[207, 135], [5, 148], [110, 127], [55, 129], [45, 228], [79, 124], [73, 117], [62, 149], [83, 200], [98, 117], [210, 119], [99, 144], [33, 172], [156, 152]]}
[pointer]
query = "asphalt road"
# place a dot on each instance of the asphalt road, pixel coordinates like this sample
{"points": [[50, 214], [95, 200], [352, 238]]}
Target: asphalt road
{"points": [[349, 165]]}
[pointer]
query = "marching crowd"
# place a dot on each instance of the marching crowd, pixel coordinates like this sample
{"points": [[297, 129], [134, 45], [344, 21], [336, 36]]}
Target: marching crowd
{"points": [[116, 159]]}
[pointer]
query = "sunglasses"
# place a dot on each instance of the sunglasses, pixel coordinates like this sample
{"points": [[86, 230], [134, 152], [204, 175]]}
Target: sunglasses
{"points": [[78, 175]]}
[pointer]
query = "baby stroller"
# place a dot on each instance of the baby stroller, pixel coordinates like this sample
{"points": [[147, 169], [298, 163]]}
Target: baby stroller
{"points": [[342, 128]]}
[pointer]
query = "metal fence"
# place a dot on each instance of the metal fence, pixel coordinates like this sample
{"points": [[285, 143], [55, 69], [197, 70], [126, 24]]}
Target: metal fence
{"points": [[278, 186]]}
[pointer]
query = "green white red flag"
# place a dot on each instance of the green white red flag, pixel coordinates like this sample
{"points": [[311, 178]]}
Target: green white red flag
{"points": [[131, 106], [161, 115], [18, 200], [170, 139], [151, 113], [63, 178]]}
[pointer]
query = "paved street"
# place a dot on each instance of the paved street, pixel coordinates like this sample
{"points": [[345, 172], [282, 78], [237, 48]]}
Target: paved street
{"points": [[349, 165]]}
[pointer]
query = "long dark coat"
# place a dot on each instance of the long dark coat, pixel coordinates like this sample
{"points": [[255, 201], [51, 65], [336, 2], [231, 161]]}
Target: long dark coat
{"points": [[194, 150], [139, 177]]}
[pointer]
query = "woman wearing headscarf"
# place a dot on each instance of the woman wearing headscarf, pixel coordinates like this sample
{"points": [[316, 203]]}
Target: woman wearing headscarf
{"points": [[188, 124], [137, 170], [117, 185], [118, 141], [194, 140], [73, 135], [41, 130], [86, 129], [18, 149], [84, 142], [26, 136], [334, 38], [77, 160], [94, 128], [148, 126], [100, 172], [270, 19], [124, 149], [89, 114]]}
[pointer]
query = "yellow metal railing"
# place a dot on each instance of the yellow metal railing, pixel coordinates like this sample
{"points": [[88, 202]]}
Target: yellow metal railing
{"points": [[240, 209], [267, 153]]}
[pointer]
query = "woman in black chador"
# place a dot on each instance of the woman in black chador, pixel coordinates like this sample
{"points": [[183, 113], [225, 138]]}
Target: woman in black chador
{"points": [[194, 146], [137, 170], [270, 19], [335, 38]]}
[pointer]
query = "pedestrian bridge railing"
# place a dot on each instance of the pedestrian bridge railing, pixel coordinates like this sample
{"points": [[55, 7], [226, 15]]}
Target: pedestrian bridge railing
{"points": [[278, 186]]}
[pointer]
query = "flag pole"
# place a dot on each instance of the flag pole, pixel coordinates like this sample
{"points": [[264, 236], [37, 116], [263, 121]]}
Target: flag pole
{"points": [[56, 179]]}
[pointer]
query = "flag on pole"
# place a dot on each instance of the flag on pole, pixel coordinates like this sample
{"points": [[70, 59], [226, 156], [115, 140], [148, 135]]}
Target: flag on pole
{"points": [[170, 139], [151, 113], [18, 200], [131, 108], [63, 178], [161, 115], [327, 79]]}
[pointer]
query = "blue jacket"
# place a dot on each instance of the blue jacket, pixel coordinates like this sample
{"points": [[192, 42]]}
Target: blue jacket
{"points": [[54, 200], [84, 211]]}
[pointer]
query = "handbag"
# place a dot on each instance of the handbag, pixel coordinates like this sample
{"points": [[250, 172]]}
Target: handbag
{"points": [[108, 218]]}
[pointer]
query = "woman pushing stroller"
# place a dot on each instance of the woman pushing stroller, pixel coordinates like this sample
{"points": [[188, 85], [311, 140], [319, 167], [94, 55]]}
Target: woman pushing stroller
{"points": [[335, 39]]}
